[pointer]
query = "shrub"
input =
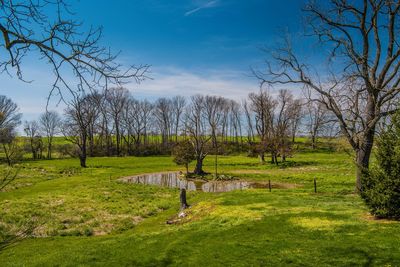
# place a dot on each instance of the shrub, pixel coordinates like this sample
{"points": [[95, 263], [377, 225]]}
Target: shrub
{"points": [[381, 184], [88, 232], [65, 150], [184, 153]]}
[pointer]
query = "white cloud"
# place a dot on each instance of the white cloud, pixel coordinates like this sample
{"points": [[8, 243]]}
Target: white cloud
{"points": [[167, 82], [172, 81], [209, 4]]}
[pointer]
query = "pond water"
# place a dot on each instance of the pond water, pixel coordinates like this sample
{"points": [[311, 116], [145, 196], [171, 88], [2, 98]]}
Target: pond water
{"points": [[174, 180]]}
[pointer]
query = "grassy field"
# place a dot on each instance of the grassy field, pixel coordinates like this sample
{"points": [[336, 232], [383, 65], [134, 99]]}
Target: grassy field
{"points": [[88, 217]]}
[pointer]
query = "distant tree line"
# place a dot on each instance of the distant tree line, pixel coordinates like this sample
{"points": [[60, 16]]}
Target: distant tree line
{"points": [[114, 123]]}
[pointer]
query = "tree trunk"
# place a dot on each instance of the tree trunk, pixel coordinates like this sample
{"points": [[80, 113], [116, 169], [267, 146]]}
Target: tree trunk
{"points": [[199, 166], [91, 145], [82, 159], [262, 158], [216, 162], [108, 144], [33, 150], [83, 154], [184, 204], [8, 159], [176, 131], [49, 150], [363, 157], [118, 138], [313, 141]]}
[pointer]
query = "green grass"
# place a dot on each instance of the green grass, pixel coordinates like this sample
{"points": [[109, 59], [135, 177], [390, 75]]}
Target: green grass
{"points": [[87, 217]]}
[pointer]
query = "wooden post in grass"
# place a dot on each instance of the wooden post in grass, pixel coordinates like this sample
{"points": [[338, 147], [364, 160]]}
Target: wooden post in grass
{"points": [[315, 185], [184, 204], [269, 185]]}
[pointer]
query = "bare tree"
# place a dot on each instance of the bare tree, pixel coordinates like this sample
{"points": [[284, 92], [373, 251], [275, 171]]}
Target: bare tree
{"points": [[10, 118], [135, 122], [274, 119], [130, 124], [163, 114], [213, 107], [263, 107], [9, 115], [50, 123], [297, 116], [318, 120], [360, 91], [117, 99], [8, 238], [61, 41], [78, 118], [95, 99], [249, 121], [8, 175], [32, 130], [10, 147], [281, 125], [178, 107], [236, 121], [146, 110], [104, 124], [196, 127]]}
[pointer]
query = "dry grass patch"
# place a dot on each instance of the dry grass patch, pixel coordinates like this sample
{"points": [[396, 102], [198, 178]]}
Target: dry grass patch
{"points": [[317, 223]]}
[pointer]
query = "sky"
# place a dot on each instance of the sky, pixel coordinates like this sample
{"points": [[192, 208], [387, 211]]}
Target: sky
{"points": [[193, 46]]}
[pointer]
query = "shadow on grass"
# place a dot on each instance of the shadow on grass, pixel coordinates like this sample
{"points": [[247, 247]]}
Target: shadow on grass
{"points": [[269, 165], [362, 257], [296, 164]]}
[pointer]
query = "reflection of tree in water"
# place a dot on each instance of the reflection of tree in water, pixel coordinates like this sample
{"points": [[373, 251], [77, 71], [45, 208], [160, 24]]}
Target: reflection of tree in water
{"points": [[173, 180], [170, 180], [224, 186]]}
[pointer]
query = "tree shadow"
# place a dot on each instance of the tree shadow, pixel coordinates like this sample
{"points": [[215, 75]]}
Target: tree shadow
{"points": [[269, 165], [355, 253]]}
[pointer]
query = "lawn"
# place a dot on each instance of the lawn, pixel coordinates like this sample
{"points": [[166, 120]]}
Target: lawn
{"points": [[87, 217]]}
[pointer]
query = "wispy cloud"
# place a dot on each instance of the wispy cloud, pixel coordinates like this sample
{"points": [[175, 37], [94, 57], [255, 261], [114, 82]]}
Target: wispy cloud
{"points": [[172, 81], [175, 81], [209, 4]]}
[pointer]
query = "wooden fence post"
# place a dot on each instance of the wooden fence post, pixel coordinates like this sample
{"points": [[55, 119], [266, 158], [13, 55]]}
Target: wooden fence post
{"points": [[184, 204], [269, 185], [315, 185]]}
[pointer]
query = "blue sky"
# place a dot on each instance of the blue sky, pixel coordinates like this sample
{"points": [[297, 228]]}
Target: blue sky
{"points": [[193, 46]]}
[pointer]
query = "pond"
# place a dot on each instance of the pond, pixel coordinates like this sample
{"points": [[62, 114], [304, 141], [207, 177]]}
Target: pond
{"points": [[174, 180]]}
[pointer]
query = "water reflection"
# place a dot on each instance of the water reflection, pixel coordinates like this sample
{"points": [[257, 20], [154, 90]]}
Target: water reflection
{"points": [[225, 186], [173, 180]]}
